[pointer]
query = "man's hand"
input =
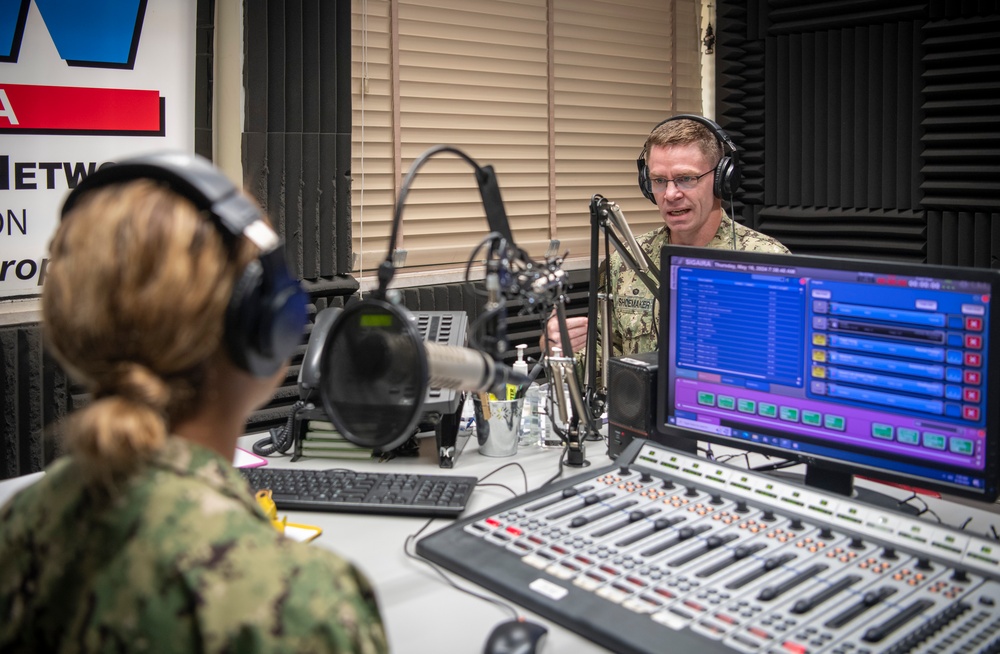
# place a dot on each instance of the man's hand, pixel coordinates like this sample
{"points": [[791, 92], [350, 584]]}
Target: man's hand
{"points": [[577, 328]]}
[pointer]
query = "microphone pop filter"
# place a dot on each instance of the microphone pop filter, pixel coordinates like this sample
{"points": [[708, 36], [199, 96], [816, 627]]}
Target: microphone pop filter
{"points": [[374, 375]]}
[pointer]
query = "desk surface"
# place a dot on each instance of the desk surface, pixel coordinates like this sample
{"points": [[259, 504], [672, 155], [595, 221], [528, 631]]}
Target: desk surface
{"points": [[421, 611]]}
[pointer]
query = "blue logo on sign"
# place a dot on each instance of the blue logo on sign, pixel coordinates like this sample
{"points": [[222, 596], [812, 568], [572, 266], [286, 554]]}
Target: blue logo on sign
{"points": [[96, 33]]}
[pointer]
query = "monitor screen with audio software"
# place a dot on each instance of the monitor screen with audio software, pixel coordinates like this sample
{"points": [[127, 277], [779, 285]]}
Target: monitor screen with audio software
{"points": [[853, 367]]}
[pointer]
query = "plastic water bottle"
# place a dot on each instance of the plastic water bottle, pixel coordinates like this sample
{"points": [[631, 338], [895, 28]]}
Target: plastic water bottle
{"points": [[528, 435], [547, 435], [528, 431]]}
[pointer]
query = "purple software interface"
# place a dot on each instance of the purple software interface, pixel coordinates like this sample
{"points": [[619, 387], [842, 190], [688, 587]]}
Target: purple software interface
{"points": [[857, 367]]}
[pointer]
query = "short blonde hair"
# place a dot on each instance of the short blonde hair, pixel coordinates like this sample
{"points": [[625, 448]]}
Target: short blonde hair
{"points": [[133, 306], [684, 131]]}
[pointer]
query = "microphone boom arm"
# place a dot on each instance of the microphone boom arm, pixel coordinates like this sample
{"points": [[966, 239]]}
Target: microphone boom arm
{"points": [[611, 220], [617, 219]]}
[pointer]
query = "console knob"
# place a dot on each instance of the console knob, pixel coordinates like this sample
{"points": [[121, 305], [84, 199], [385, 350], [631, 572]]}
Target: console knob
{"points": [[741, 506], [691, 491], [646, 477], [667, 484], [923, 563], [716, 499], [889, 553], [960, 575], [768, 516], [857, 543]]}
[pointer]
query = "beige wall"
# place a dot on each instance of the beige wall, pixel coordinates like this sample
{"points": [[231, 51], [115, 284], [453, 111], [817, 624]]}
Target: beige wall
{"points": [[707, 63], [228, 101]]}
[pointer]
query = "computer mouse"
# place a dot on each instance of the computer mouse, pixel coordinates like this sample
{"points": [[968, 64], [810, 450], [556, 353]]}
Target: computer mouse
{"points": [[516, 637]]}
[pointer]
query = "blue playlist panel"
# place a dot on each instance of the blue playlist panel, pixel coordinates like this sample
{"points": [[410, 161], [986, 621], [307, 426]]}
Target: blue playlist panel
{"points": [[742, 325]]}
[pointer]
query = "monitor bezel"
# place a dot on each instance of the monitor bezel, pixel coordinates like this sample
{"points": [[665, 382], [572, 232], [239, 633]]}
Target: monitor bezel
{"points": [[817, 463]]}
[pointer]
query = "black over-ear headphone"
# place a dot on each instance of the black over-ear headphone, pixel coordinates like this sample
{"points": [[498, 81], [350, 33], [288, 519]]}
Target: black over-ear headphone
{"points": [[266, 316], [727, 174]]}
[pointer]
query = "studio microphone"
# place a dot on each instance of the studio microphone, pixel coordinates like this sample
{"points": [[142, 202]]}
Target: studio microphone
{"points": [[465, 369], [376, 370], [381, 357]]}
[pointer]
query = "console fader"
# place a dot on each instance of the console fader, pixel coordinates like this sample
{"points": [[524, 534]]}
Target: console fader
{"points": [[667, 552]]}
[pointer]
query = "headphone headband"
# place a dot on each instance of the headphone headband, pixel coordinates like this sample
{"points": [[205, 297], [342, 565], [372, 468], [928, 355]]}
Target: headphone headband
{"points": [[191, 176], [266, 316]]}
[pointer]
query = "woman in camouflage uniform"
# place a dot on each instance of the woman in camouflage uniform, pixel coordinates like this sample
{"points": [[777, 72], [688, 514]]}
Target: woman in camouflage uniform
{"points": [[144, 537]]}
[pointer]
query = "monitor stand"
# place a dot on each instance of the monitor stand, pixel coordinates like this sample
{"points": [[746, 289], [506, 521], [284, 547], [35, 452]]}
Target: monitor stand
{"points": [[842, 484]]}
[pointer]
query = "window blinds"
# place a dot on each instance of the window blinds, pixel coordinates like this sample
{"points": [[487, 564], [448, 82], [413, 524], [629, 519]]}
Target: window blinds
{"points": [[557, 96]]}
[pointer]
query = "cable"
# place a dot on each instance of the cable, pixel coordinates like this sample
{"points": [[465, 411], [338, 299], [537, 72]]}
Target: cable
{"points": [[279, 439], [503, 486], [775, 466], [507, 465], [562, 466], [732, 220], [387, 269], [501, 244], [408, 544]]}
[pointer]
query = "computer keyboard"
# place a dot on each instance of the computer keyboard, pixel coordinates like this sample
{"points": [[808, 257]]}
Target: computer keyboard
{"points": [[443, 496]]}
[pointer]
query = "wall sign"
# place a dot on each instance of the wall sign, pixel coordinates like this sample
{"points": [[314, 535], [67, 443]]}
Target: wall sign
{"points": [[82, 84]]}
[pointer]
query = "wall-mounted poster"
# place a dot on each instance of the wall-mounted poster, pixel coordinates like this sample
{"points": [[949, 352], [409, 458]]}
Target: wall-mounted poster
{"points": [[82, 84]]}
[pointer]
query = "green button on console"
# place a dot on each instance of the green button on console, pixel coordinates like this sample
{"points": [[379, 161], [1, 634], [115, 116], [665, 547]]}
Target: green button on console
{"points": [[935, 441], [789, 414], [837, 423], [884, 432], [961, 446]]}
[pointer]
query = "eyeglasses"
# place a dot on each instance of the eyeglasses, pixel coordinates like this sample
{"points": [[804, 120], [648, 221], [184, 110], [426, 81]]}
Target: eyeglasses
{"points": [[683, 182]]}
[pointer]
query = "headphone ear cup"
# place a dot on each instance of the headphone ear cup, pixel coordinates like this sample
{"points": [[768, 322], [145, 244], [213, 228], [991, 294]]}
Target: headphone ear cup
{"points": [[727, 178], [640, 163], [265, 320], [285, 322], [241, 317]]}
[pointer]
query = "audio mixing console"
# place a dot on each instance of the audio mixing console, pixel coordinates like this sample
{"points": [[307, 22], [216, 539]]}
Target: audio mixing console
{"points": [[665, 552]]}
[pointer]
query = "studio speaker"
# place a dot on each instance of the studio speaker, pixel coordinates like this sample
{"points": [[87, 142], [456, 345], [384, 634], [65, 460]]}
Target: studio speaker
{"points": [[632, 404]]}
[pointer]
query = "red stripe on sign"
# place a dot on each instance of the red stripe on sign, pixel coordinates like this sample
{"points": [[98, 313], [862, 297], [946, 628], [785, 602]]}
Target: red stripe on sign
{"points": [[71, 108]]}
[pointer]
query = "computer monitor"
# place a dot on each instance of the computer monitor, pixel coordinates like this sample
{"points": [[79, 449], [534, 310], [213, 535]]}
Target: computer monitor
{"points": [[853, 367]]}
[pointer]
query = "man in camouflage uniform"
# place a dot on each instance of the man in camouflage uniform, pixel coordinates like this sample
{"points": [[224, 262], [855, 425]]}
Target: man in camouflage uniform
{"points": [[633, 321], [682, 161], [225, 580]]}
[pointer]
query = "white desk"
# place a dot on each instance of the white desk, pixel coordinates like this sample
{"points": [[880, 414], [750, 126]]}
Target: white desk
{"points": [[422, 613]]}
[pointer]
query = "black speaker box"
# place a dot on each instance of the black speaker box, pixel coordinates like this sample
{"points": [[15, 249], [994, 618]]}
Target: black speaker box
{"points": [[632, 404]]}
